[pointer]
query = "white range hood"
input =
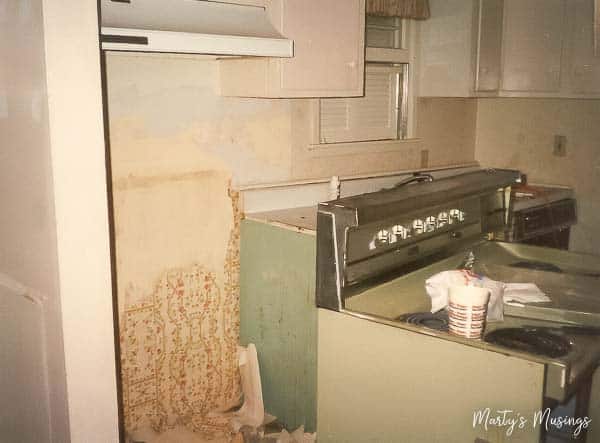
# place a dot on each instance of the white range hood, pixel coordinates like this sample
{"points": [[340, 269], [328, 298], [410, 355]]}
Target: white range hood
{"points": [[190, 27]]}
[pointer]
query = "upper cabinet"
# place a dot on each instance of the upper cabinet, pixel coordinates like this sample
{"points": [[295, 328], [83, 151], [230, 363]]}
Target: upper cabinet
{"points": [[582, 61], [532, 45], [328, 60], [447, 44], [513, 48]]}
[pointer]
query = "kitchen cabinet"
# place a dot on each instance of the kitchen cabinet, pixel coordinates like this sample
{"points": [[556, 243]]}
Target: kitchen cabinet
{"points": [[278, 314], [532, 41], [446, 40], [583, 65], [328, 53], [510, 48]]}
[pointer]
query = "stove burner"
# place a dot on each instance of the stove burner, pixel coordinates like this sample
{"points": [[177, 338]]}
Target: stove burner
{"points": [[531, 340], [437, 321], [537, 266]]}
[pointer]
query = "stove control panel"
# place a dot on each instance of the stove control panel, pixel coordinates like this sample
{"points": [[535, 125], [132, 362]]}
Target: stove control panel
{"points": [[373, 239]]}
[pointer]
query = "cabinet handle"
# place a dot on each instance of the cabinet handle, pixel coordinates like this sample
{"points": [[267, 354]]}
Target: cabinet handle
{"points": [[351, 64]]}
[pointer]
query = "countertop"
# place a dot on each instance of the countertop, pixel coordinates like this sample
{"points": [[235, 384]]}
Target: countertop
{"points": [[299, 219]]}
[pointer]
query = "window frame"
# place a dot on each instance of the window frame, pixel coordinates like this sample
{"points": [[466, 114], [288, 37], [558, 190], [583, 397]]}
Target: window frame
{"points": [[406, 57], [397, 109]]}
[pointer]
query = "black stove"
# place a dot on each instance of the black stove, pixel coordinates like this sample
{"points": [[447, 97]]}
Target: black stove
{"points": [[531, 340], [437, 321]]}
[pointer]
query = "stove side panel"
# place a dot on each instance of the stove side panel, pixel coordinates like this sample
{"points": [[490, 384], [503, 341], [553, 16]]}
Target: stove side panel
{"points": [[383, 383]]}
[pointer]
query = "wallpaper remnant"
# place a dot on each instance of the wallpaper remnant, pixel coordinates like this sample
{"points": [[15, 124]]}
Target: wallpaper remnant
{"points": [[179, 346]]}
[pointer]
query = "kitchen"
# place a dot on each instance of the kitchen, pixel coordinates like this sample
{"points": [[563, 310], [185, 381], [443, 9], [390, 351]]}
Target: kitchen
{"points": [[183, 156]]}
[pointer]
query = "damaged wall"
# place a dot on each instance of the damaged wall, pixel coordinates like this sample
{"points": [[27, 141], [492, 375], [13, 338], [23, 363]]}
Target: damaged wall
{"points": [[177, 149]]}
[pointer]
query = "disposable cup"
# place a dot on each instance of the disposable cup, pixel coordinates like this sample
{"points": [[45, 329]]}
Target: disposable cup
{"points": [[467, 310]]}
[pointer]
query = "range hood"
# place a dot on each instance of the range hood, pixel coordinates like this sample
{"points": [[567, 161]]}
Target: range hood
{"points": [[191, 27]]}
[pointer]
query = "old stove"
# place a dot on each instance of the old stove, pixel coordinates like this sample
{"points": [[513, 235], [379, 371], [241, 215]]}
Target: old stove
{"points": [[384, 368]]}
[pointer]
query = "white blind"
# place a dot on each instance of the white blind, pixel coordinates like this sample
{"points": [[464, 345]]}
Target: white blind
{"points": [[372, 117]]}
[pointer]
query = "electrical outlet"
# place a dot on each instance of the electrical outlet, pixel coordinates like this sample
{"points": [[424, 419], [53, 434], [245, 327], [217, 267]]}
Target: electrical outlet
{"points": [[560, 146], [424, 158]]}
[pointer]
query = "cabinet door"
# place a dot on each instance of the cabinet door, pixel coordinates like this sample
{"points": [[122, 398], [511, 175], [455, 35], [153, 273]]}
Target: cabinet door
{"points": [[533, 43], [491, 13], [328, 47], [583, 69], [446, 49]]}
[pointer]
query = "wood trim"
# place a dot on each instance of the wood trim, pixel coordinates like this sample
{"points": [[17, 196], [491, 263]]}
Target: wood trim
{"points": [[385, 55], [363, 147]]}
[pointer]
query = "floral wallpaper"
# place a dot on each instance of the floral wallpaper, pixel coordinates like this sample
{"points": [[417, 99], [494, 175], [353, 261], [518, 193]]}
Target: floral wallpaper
{"points": [[179, 345]]}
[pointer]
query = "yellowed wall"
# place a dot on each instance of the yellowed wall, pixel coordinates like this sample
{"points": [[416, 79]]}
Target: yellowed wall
{"points": [[447, 126], [519, 133], [175, 147], [446, 136]]}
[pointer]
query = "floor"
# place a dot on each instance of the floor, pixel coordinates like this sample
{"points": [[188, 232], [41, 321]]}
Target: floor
{"points": [[178, 435]]}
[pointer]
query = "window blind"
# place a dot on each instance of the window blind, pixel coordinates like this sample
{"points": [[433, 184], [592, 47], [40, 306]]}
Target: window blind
{"points": [[372, 117]]}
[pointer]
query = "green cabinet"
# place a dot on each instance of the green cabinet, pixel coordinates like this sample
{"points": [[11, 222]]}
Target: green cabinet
{"points": [[278, 314]]}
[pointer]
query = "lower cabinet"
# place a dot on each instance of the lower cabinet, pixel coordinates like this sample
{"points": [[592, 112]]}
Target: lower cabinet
{"points": [[278, 314]]}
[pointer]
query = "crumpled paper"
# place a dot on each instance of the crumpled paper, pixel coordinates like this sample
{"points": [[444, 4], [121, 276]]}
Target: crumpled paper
{"points": [[500, 292], [298, 436], [524, 293]]}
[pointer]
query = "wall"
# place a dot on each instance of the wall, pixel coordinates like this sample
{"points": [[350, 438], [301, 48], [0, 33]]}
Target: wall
{"points": [[447, 126], [519, 133], [176, 147], [34, 409], [446, 136], [179, 151], [54, 227]]}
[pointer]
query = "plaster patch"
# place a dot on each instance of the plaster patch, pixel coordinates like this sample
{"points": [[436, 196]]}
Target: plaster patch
{"points": [[172, 224]]}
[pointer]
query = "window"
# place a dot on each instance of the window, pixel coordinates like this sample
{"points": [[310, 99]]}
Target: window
{"points": [[376, 116], [382, 113]]}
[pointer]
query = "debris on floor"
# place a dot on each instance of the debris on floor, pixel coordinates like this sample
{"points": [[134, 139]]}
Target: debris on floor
{"points": [[249, 423]]}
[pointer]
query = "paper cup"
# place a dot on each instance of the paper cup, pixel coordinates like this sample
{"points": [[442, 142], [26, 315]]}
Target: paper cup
{"points": [[467, 308]]}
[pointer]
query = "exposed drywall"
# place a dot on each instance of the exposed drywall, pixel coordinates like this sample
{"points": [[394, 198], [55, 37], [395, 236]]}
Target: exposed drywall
{"points": [[519, 133], [165, 109], [35, 411], [176, 146]]}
